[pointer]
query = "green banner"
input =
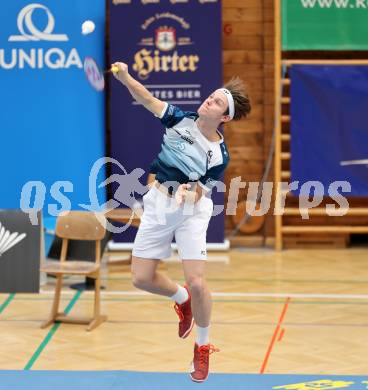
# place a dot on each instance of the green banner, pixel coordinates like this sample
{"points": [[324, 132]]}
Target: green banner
{"points": [[324, 24]]}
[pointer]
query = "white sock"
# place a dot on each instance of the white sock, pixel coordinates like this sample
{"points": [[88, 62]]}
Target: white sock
{"points": [[181, 295], [203, 335]]}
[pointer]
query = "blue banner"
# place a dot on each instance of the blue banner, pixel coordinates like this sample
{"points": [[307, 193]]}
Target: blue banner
{"points": [[329, 130], [170, 51], [52, 122]]}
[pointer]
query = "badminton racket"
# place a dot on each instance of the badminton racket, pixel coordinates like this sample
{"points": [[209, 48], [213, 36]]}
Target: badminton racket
{"points": [[95, 76]]}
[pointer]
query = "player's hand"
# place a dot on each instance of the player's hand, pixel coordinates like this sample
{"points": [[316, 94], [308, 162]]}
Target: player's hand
{"points": [[182, 193], [123, 73]]}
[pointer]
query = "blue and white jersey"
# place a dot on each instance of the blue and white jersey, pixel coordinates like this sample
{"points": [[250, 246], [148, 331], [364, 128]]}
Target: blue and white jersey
{"points": [[186, 154]]}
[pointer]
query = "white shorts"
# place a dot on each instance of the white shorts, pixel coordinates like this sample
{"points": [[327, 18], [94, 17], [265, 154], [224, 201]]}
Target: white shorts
{"points": [[163, 219]]}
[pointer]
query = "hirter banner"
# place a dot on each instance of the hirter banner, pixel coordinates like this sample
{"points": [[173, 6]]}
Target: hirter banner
{"points": [[174, 49]]}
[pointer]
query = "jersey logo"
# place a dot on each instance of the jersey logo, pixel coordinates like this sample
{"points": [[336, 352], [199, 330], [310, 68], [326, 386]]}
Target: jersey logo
{"points": [[189, 138], [224, 149], [179, 145], [209, 156]]}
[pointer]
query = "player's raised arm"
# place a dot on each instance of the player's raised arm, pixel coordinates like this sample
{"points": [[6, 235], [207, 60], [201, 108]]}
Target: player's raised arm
{"points": [[137, 90]]}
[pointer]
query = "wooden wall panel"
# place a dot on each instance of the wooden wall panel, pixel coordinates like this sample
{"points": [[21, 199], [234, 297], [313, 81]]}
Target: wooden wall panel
{"points": [[245, 50], [248, 51]]}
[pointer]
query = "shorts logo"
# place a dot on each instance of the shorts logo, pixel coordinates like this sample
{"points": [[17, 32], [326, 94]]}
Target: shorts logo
{"points": [[203, 253], [33, 33]]}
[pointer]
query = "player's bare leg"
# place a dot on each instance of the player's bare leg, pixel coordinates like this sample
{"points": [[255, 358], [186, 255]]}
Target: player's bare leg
{"points": [[145, 277], [201, 308]]}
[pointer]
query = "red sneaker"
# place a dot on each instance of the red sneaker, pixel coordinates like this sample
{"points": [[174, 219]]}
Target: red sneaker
{"points": [[186, 320], [201, 362]]}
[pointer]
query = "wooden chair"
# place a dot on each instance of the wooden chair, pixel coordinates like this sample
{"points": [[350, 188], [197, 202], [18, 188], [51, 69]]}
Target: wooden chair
{"points": [[124, 215], [77, 225]]}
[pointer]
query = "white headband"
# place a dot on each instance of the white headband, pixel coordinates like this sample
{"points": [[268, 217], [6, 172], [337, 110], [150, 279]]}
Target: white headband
{"points": [[230, 101]]}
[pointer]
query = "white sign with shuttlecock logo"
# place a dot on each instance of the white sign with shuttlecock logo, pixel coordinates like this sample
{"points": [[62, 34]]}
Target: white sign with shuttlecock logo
{"points": [[8, 240]]}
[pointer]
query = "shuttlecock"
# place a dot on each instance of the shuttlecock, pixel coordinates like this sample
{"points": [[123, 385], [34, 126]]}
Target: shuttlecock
{"points": [[88, 27]]}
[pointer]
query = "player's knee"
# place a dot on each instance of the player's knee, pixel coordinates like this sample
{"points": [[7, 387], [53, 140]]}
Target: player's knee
{"points": [[196, 285], [142, 282]]}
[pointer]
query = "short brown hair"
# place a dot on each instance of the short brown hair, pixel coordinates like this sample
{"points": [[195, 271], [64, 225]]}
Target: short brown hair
{"points": [[240, 96]]}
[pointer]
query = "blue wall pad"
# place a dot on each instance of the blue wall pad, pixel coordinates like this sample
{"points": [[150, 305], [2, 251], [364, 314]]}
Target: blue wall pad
{"points": [[128, 380]]}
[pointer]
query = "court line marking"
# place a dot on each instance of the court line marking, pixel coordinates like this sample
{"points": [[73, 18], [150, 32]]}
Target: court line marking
{"points": [[233, 294], [262, 281], [172, 259], [157, 298], [6, 302], [281, 333], [298, 281], [51, 332], [227, 323], [273, 339]]}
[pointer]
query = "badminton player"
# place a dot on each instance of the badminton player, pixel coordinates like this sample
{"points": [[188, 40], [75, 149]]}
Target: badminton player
{"points": [[192, 158]]}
